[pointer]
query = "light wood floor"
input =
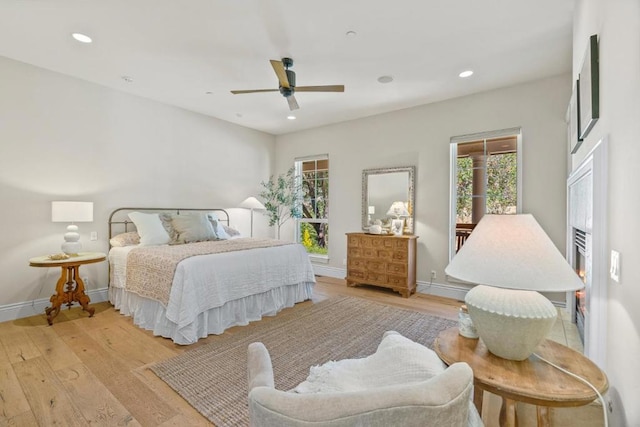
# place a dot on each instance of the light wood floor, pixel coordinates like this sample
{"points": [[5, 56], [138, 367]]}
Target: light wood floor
{"points": [[84, 370]]}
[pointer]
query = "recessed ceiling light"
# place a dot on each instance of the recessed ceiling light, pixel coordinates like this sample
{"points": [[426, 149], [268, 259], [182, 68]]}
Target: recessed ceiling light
{"points": [[467, 73], [385, 79], [351, 34], [208, 92], [239, 115], [291, 117], [82, 38], [127, 79]]}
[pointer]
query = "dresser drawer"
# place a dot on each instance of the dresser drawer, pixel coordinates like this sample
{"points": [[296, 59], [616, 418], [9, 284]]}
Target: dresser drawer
{"points": [[376, 266], [397, 281], [356, 263], [354, 252], [397, 268], [374, 277], [355, 274], [369, 252], [354, 241], [399, 256]]}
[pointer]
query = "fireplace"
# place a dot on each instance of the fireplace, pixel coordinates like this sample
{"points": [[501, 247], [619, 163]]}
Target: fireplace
{"points": [[580, 240]]}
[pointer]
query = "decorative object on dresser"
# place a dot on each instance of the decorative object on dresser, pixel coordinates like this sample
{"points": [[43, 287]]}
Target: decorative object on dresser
{"points": [[382, 260], [253, 204], [72, 212], [511, 259]]}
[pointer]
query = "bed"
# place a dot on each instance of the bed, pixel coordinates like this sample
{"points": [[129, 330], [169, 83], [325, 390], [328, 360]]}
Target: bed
{"points": [[197, 284]]}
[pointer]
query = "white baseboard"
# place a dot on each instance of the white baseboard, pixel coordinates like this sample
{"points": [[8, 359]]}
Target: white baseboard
{"points": [[445, 290], [31, 308], [324, 270]]}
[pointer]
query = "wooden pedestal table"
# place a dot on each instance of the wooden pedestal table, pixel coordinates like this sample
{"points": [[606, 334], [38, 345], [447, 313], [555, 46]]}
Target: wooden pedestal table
{"points": [[74, 290], [530, 381]]}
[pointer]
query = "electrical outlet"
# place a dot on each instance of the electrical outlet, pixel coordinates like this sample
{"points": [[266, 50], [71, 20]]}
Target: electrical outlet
{"points": [[86, 281], [344, 261], [433, 275], [94, 235]]}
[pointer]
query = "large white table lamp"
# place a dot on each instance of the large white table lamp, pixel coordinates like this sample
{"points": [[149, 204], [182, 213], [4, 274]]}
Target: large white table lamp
{"points": [[72, 212], [511, 259]]}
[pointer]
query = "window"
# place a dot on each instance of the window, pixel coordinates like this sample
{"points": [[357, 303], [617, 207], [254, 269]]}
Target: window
{"points": [[485, 177], [313, 226]]}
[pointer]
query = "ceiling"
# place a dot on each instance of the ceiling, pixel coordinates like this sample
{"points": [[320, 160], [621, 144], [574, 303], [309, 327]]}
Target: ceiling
{"points": [[191, 53]]}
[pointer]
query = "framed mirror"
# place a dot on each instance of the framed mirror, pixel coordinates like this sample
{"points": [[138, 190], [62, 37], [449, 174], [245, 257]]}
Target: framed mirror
{"points": [[382, 189]]}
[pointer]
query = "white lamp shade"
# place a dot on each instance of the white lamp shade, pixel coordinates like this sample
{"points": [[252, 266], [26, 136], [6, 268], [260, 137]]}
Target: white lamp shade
{"points": [[398, 209], [512, 251], [71, 211], [251, 203]]}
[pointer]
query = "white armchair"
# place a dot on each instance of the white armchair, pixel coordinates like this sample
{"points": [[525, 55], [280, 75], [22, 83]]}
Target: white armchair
{"points": [[418, 396]]}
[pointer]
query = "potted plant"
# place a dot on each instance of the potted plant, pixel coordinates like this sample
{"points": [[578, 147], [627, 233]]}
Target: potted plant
{"points": [[281, 198]]}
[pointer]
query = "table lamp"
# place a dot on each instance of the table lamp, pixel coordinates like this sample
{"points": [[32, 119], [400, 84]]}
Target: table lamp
{"points": [[511, 259], [251, 203], [72, 212]]}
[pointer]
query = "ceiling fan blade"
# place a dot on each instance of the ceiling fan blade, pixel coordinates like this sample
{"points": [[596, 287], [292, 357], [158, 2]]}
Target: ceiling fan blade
{"points": [[329, 88], [293, 104], [278, 67], [236, 92]]}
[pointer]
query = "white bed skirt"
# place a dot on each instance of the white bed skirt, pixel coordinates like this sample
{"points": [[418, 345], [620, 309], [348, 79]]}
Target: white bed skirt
{"points": [[151, 315]]}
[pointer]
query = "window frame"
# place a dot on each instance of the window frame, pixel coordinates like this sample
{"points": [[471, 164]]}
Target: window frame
{"points": [[453, 178], [298, 161]]}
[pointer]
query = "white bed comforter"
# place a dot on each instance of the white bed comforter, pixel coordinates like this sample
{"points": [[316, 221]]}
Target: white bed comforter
{"points": [[205, 282]]}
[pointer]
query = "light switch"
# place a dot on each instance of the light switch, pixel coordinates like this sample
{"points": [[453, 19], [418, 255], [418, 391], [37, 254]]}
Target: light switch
{"points": [[94, 235], [614, 269]]}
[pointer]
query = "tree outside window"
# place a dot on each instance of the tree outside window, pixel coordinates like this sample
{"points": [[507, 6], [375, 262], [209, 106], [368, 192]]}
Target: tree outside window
{"points": [[314, 222]]}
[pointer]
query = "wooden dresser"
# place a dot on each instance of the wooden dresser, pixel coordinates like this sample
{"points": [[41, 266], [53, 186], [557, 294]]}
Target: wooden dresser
{"points": [[382, 260]]}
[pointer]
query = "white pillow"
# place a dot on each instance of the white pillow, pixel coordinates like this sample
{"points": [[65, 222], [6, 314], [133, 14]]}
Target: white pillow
{"points": [[217, 226], [150, 229], [193, 227]]}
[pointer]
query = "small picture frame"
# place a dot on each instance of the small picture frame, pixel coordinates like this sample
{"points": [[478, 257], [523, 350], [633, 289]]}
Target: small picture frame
{"points": [[396, 227], [588, 89], [572, 121]]}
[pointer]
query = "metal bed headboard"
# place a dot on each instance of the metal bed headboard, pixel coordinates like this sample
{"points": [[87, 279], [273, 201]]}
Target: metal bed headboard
{"points": [[119, 221]]}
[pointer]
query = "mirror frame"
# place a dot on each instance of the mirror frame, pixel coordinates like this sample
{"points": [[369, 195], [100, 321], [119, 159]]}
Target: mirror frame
{"points": [[365, 192]]}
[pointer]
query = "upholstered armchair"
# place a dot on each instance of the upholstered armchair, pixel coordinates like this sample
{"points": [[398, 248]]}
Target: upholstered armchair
{"points": [[427, 395]]}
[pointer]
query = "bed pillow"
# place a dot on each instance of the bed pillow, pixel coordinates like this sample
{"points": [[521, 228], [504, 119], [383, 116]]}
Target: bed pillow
{"points": [[231, 232], [130, 238], [167, 222], [193, 227], [150, 229], [218, 226]]}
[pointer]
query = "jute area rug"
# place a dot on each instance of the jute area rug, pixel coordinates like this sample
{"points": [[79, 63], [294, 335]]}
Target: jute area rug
{"points": [[213, 377]]}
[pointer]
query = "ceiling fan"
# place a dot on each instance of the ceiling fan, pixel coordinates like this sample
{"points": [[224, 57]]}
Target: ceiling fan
{"points": [[287, 87]]}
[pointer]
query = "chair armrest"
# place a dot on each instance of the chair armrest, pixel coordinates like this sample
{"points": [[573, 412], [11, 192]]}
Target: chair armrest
{"points": [[444, 397], [259, 368]]}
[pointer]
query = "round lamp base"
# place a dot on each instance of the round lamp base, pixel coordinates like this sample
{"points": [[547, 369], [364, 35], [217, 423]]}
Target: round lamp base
{"points": [[510, 322]]}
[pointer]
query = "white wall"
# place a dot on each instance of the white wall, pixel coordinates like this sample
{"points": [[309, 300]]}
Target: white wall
{"points": [[420, 136], [65, 139], [617, 24]]}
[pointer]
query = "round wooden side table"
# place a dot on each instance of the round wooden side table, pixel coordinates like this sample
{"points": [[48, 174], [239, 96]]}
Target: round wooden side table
{"points": [[70, 277], [530, 381]]}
